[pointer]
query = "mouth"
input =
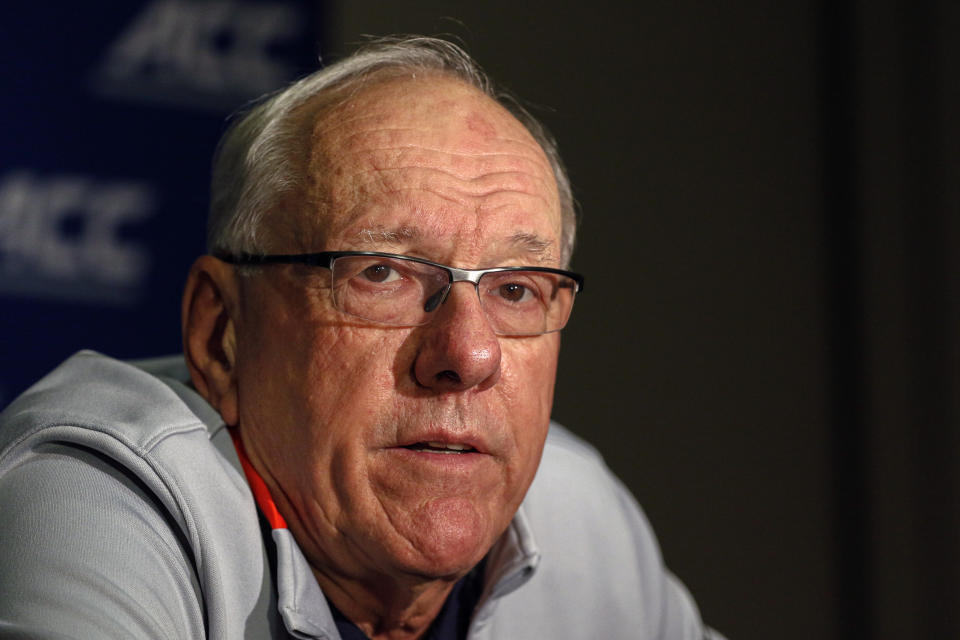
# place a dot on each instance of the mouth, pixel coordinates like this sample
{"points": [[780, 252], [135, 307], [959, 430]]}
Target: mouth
{"points": [[443, 448]]}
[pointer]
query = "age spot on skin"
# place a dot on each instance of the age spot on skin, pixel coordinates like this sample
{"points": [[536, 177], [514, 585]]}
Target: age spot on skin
{"points": [[481, 126]]}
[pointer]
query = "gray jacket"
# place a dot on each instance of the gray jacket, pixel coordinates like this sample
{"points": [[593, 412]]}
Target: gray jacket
{"points": [[124, 514]]}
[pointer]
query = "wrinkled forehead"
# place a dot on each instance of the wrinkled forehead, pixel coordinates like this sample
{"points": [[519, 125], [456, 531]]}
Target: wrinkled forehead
{"points": [[402, 144], [458, 113]]}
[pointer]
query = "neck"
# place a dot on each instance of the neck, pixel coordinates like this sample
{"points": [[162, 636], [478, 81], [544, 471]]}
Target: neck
{"points": [[385, 608]]}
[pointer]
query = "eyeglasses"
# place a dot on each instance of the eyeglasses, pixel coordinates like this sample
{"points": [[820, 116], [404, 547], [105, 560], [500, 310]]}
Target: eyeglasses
{"points": [[403, 291]]}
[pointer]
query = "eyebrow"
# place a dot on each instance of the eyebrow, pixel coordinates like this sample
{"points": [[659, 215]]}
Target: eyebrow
{"points": [[529, 243], [534, 244], [382, 235]]}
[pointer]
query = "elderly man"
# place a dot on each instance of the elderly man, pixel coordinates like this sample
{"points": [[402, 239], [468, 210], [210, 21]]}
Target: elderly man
{"points": [[373, 340]]}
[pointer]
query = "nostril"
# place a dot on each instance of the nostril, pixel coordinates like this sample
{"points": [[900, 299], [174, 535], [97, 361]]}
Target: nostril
{"points": [[452, 376]]}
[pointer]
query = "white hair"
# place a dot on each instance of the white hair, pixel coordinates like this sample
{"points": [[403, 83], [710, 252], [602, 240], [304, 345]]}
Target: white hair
{"points": [[258, 160]]}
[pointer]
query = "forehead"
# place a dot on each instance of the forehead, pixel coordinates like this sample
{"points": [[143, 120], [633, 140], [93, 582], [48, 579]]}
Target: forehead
{"points": [[430, 156]]}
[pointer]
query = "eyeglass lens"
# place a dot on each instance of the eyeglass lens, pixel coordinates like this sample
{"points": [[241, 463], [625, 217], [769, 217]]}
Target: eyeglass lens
{"points": [[405, 292]]}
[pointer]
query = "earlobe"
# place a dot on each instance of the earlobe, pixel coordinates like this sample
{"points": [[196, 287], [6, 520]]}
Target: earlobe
{"points": [[209, 333]]}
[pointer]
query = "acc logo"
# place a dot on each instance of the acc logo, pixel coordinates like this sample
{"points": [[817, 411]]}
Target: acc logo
{"points": [[207, 54], [60, 237]]}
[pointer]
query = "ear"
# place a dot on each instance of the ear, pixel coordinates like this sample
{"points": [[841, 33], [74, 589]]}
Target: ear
{"points": [[208, 319]]}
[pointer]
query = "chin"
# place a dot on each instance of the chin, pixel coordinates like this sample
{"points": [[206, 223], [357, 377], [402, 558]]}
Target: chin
{"points": [[448, 538]]}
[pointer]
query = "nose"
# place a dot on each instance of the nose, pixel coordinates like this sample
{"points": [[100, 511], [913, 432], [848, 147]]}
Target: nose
{"points": [[459, 349]]}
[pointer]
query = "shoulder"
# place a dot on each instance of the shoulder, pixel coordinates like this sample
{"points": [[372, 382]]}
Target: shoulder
{"points": [[564, 448], [88, 552], [575, 498], [103, 396], [600, 572], [573, 481], [112, 467], [156, 429]]}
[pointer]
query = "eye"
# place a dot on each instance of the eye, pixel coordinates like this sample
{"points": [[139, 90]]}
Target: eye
{"points": [[513, 292], [380, 273]]}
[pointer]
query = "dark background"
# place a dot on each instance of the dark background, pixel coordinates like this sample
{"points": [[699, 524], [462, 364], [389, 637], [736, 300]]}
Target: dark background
{"points": [[767, 348]]}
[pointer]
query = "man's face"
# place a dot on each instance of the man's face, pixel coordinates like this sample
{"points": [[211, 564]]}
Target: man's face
{"points": [[337, 412]]}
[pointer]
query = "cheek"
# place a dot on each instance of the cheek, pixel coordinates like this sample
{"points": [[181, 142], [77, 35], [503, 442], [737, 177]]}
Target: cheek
{"points": [[349, 373], [527, 386], [316, 407], [302, 376], [528, 372]]}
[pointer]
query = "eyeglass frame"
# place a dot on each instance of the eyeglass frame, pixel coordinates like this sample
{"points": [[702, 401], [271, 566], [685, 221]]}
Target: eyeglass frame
{"points": [[325, 260]]}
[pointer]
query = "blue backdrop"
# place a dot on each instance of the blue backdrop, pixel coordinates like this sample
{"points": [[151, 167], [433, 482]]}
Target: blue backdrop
{"points": [[110, 115]]}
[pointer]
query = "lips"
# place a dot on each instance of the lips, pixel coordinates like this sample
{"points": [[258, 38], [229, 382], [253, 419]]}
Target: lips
{"points": [[447, 448], [444, 440]]}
